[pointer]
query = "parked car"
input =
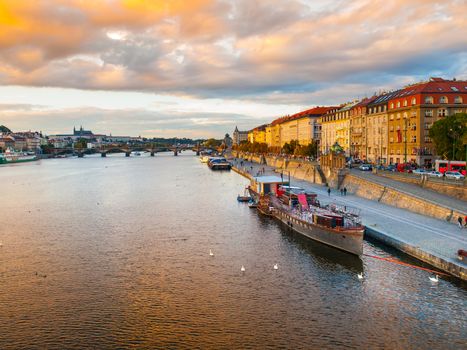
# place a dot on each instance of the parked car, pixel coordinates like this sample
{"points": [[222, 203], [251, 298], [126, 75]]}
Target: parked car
{"points": [[391, 167], [365, 167], [419, 171], [454, 175], [434, 173]]}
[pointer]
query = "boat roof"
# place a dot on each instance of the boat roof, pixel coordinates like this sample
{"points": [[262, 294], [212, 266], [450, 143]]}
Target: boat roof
{"points": [[270, 179]]}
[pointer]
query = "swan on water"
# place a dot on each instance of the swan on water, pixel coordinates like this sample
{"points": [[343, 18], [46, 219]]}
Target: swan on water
{"points": [[360, 276], [276, 267], [242, 268], [211, 253], [434, 279]]}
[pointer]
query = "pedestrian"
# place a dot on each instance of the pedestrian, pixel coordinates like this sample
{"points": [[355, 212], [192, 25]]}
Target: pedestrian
{"points": [[342, 191], [465, 219], [329, 191], [459, 220], [345, 191]]}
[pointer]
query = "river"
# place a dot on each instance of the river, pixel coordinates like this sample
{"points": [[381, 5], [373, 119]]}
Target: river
{"points": [[114, 253]]}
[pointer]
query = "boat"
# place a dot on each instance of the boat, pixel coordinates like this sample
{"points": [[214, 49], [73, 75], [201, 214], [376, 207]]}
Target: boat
{"points": [[338, 226], [219, 163], [245, 198], [204, 159], [136, 153], [12, 156]]}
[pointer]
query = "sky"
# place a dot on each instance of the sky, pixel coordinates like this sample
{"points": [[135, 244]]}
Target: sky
{"points": [[198, 68]]}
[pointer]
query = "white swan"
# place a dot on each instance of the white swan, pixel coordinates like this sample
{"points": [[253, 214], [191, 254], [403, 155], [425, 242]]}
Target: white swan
{"points": [[360, 276], [434, 279], [242, 268], [276, 267], [211, 253]]}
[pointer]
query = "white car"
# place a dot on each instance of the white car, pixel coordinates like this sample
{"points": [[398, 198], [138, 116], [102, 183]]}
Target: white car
{"points": [[419, 171], [434, 173], [454, 175]]}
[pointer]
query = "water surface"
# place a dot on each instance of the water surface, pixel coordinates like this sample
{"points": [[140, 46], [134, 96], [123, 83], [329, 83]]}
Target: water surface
{"points": [[114, 253]]}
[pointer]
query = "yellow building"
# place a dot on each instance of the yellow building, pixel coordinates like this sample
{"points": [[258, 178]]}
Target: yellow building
{"points": [[335, 127], [257, 134]]}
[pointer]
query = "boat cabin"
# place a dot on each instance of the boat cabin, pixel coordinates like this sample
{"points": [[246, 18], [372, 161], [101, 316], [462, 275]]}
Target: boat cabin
{"points": [[267, 184]]}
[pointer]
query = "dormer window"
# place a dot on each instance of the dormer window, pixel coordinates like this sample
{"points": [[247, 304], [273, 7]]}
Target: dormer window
{"points": [[443, 99], [398, 104], [458, 99], [392, 105], [414, 101], [429, 100], [405, 103]]}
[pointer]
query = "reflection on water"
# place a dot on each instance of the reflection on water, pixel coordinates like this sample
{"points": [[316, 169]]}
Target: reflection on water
{"points": [[124, 244]]}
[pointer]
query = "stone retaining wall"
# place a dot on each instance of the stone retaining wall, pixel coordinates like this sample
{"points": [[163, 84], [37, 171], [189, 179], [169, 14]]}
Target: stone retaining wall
{"points": [[387, 195]]}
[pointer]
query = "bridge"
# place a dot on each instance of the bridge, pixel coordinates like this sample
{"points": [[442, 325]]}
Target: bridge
{"points": [[127, 149]]}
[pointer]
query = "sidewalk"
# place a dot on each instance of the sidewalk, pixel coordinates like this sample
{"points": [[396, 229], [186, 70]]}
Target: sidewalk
{"points": [[423, 193], [433, 241]]}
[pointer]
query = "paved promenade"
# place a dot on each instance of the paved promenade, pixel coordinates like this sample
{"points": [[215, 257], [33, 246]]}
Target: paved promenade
{"points": [[423, 193], [428, 239]]}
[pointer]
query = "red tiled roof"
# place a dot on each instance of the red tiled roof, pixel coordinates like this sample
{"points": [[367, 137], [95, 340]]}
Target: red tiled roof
{"points": [[434, 85], [315, 111]]}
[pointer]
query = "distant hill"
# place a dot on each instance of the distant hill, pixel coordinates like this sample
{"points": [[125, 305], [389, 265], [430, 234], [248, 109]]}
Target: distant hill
{"points": [[3, 128]]}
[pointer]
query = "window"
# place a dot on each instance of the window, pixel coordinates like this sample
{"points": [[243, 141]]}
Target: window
{"points": [[458, 99], [398, 104], [392, 105], [398, 116], [391, 128], [414, 101], [428, 113], [443, 99], [414, 113], [429, 100], [442, 112], [453, 88], [405, 103], [427, 139], [414, 139], [391, 117], [391, 139], [457, 111]]}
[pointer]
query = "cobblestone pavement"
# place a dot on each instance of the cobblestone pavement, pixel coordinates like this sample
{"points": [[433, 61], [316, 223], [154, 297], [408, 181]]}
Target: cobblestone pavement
{"points": [[429, 195], [431, 235]]}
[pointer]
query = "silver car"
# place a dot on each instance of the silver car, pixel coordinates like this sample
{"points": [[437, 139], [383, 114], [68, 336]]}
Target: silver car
{"points": [[454, 175]]}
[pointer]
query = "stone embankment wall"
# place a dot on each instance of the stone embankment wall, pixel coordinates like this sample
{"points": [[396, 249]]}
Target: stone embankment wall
{"points": [[302, 170], [452, 189], [387, 195]]}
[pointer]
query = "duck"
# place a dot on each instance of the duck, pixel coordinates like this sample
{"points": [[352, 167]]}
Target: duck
{"points": [[242, 268], [211, 253], [360, 276], [276, 267], [434, 279]]}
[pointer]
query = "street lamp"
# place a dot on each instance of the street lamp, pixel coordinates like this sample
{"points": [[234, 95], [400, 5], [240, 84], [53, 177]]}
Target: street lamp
{"points": [[405, 139]]}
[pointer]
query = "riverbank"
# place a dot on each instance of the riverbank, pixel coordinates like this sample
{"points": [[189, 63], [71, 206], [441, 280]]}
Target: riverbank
{"points": [[430, 240]]}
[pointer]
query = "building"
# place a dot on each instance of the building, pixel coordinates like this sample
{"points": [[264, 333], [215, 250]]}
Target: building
{"points": [[412, 112], [358, 137], [257, 134], [239, 136], [335, 127], [376, 129], [33, 140]]}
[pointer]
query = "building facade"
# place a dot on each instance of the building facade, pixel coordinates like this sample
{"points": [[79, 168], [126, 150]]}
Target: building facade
{"points": [[239, 136]]}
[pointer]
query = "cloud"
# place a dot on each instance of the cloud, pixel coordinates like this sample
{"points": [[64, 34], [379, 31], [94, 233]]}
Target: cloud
{"points": [[212, 48]]}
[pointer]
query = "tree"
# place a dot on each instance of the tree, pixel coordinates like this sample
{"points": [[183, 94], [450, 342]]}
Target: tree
{"points": [[4, 129], [212, 143], [289, 148], [449, 136], [81, 143]]}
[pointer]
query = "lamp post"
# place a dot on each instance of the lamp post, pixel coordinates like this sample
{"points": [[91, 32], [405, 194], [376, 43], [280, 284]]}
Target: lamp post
{"points": [[405, 140]]}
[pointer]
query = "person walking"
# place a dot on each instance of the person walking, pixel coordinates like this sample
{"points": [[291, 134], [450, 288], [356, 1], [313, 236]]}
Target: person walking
{"points": [[465, 219], [459, 220], [329, 191], [345, 191], [342, 191]]}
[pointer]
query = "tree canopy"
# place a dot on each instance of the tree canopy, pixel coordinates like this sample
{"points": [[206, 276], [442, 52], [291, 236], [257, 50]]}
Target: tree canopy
{"points": [[449, 136], [3, 128]]}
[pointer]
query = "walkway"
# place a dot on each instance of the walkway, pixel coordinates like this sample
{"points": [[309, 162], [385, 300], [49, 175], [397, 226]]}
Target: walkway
{"points": [[431, 236], [423, 193]]}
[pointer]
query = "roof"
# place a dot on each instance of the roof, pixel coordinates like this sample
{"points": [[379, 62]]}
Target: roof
{"points": [[269, 179], [434, 85], [312, 112]]}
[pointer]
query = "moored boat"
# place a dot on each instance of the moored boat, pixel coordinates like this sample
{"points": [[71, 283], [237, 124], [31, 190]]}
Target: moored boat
{"points": [[12, 156], [336, 225], [219, 163]]}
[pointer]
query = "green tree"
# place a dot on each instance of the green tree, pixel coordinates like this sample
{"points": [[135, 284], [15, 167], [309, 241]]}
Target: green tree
{"points": [[212, 143], [81, 143], [289, 148], [449, 136], [4, 129]]}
